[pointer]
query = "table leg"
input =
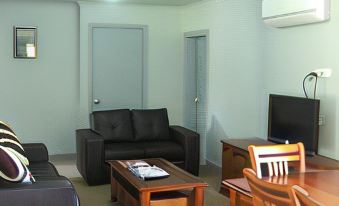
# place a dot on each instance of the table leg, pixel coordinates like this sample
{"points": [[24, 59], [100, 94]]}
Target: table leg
{"points": [[114, 188], [145, 198], [199, 196]]}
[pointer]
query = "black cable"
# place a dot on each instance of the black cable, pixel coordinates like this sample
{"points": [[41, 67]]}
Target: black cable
{"points": [[315, 86], [310, 74], [304, 86]]}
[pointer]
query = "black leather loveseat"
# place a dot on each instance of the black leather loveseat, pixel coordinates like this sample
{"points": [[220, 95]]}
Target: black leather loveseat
{"points": [[133, 134], [49, 189]]}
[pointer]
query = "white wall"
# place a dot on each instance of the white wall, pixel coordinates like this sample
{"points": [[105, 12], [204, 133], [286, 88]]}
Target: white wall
{"points": [[164, 75], [290, 54], [235, 68], [39, 98]]}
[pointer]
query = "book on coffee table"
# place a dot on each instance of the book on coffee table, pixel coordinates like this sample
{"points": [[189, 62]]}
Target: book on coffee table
{"points": [[144, 171]]}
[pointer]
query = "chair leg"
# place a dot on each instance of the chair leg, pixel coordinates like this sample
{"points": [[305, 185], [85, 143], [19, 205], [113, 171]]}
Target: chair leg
{"points": [[233, 196]]}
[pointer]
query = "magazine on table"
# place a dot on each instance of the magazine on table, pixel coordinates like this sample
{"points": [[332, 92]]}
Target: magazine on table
{"points": [[144, 171]]}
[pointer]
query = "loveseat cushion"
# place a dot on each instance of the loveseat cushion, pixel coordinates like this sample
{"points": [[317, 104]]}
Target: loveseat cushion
{"points": [[11, 168], [114, 124], [116, 151], [168, 150], [9, 140], [13, 160], [151, 124], [43, 169], [5, 126]]}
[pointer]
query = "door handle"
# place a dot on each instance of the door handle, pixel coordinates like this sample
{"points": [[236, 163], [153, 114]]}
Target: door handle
{"points": [[96, 101]]}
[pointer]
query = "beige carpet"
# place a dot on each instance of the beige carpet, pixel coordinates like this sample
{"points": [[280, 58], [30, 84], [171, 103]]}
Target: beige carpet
{"points": [[100, 195]]}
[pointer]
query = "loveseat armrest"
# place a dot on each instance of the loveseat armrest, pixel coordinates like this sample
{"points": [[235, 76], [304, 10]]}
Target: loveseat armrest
{"points": [[191, 143], [55, 192], [36, 152], [90, 156]]}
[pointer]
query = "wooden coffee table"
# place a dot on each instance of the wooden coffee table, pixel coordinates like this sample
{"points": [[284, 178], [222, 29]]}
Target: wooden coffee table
{"points": [[128, 189]]}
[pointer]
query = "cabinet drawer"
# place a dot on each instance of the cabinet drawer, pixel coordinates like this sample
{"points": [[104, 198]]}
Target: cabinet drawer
{"points": [[234, 160]]}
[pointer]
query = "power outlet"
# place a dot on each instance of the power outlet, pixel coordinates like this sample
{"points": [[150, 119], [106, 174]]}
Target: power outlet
{"points": [[324, 72], [321, 121]]}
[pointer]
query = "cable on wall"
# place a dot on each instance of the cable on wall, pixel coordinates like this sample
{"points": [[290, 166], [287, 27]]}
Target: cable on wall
{"points": [[315, 75]]}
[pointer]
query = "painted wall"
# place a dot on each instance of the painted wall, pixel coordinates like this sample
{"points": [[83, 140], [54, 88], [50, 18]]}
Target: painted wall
{"points": [[164, 72], [39, 98], [290, 54], [235, 68]]}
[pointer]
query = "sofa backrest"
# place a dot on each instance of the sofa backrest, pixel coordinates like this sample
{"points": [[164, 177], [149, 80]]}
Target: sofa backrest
{"points": [[150, 124], [124, 125], [115, 125]]}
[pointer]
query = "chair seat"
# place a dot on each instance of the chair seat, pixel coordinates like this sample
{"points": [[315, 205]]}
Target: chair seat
{"points": [[43, 169], [239, 185], [139, 150], [163, 149], [122, 151]]}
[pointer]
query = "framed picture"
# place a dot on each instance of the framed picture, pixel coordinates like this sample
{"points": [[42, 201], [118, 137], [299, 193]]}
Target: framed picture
{"points": [[25, 42]]}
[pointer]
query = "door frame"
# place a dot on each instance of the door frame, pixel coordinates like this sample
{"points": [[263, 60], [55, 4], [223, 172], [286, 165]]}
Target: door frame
{"points": [[144, 29], [194, 34]]}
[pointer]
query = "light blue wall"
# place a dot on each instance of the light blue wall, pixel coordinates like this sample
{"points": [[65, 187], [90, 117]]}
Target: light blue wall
{"points": [[235, 68], [290, 54], [39, 98]]}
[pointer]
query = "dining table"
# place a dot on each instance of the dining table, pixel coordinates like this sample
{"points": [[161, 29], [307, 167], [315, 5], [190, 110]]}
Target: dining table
{"points": [[322, 185]]}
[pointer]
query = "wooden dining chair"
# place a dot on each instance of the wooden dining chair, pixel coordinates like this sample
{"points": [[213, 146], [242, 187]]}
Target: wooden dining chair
{"points": [[276, 157], [269, 194], [302, 197]]}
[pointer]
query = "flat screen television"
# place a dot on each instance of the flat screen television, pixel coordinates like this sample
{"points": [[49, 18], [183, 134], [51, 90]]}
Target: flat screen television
{"points": [[294, 119]]}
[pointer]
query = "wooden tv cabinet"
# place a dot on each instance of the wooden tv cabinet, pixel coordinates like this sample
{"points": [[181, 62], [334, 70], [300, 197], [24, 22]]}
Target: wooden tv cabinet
{"points": [[235, 158]]}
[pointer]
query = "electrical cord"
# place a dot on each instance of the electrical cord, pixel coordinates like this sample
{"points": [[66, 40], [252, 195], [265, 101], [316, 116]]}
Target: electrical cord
{"points": [[315, 85]]}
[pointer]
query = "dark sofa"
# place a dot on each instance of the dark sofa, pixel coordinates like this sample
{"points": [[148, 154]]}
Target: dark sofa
{"points": [[133, 134], [49, 189]]}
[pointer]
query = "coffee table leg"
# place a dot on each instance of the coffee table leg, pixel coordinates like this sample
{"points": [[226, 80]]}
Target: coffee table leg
{"points": [[145, 198], [199, 196], [113, 188]]}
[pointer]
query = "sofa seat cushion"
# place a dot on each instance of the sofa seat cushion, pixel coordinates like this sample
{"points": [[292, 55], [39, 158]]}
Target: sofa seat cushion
{"points": [[163, 149], [43, 169], [123, 151], [150, 124], [115, 125]]}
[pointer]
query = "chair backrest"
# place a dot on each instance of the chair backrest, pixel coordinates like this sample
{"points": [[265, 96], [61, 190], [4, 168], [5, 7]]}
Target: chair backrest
{"points": [[269, 194], [276, 157], [302, 197]]}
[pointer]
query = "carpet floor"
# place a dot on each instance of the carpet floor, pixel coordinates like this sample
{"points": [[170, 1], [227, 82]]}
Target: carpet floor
{"points": [[100, 195]]}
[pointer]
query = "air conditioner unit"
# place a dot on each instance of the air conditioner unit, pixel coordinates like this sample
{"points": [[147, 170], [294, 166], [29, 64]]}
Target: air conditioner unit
{"points": [[283, 13]]}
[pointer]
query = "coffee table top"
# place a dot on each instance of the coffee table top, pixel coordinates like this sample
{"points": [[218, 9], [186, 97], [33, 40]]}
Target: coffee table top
{"points": [[178, 179]]}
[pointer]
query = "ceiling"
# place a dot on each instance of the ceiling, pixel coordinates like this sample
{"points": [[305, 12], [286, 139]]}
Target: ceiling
{"points": [[154, 2]]}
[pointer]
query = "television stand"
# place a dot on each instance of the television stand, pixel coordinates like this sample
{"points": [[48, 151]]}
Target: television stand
{"points": [[310, 154], [235, 158]]}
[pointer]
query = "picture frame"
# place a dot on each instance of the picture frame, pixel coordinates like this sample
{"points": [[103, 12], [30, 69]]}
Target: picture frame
{"points": [[25, 42]]}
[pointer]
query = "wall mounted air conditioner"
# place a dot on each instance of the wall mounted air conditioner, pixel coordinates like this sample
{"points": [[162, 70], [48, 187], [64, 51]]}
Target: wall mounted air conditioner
{"points": [[283, 13]]}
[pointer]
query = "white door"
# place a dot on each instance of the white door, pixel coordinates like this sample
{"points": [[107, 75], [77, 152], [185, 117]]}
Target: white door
{"points": [[117, 66]]}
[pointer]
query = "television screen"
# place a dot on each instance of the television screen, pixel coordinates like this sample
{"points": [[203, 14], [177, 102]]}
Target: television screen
{"points": [[294, 119]]}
